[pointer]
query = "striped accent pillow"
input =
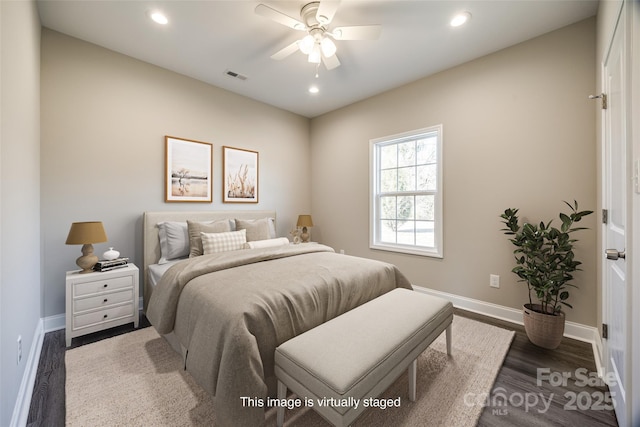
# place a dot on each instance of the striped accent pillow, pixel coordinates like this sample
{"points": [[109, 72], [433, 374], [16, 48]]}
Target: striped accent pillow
{"points": [[223, 242]]}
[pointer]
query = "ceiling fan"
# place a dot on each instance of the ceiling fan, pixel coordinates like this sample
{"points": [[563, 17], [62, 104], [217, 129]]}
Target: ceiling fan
{"points": [[318, 44]]}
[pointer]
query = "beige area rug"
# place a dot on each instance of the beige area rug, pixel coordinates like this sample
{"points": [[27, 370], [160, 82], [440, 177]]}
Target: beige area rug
{"points": [[136, 379]]}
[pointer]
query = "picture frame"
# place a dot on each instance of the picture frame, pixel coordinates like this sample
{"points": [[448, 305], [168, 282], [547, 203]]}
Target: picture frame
{"points": [[240, 175], [188, 170]]}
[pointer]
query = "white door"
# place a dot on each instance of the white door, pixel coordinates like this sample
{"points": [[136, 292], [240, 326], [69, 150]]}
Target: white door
{"points": [[616, 287]]}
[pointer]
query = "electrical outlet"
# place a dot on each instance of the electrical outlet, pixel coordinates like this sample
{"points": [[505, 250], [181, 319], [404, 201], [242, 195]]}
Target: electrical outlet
{"points": [[342, 251], [494, 280], [19, 359]]}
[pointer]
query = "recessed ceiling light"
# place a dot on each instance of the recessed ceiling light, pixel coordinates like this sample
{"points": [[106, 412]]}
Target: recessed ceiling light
{"points": [[159, 18], [314, 89], [460, 19]]}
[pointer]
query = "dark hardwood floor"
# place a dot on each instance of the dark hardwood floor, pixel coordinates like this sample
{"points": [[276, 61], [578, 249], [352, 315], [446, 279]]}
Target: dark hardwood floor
{"points": [[48, 399], [529, 390], [539, 387]]}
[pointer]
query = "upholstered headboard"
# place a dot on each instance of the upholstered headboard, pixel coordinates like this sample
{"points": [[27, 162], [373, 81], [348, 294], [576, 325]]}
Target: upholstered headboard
{"points": [[151, 242]]}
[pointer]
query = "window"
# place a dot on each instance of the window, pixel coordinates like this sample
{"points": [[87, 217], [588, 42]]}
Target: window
{"points": [[406, 192]]}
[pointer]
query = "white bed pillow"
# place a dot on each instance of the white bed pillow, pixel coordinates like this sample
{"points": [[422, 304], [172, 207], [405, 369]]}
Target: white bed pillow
{"points": [[174, 240], [257, 229], [195, 228], [223, 242], [268, 243]]}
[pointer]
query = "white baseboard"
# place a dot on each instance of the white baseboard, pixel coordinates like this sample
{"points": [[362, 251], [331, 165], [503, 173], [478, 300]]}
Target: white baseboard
{"points": [[598, 352], [23, 400], [572, 330], [54, 323]]}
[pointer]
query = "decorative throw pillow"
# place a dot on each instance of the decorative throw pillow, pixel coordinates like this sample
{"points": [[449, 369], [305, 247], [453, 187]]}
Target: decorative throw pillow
{"points": [[223, 242], [257, 229], [174, 241], [266, 243], [195, 228]]}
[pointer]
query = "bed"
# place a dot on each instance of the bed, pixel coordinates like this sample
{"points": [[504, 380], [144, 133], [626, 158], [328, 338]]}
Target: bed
{"points": [[226, 311]]}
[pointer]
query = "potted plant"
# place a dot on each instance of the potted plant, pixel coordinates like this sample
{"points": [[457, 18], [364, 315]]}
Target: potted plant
{"points": [[545, 261]]}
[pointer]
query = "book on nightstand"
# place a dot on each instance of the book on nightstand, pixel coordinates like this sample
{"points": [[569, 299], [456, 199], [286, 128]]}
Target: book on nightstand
{"points": [[107, 265]]}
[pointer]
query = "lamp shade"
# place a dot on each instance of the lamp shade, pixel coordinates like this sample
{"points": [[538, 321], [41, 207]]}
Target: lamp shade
{"points": [[82, 233], [305, 221]]}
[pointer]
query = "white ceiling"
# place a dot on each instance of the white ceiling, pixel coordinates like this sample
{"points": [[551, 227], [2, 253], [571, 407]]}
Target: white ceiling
{"points": [[204, 39]]}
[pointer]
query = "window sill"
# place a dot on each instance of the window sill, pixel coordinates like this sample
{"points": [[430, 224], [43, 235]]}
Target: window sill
{"points": [[411, 250]]}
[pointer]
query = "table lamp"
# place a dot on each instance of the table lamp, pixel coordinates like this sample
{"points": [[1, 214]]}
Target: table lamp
{"points": [[86, 233], [305, 221]]}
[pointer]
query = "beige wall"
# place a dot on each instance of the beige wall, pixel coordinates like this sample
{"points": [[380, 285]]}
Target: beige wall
{"points": [[519, 131], [20, 296], [104, 117]]}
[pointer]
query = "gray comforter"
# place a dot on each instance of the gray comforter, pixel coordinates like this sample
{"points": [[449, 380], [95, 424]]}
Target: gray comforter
{"points": [[231, 310]]}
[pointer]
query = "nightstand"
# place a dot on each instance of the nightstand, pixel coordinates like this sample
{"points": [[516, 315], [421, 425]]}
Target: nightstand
{"points": [[101, 300]]}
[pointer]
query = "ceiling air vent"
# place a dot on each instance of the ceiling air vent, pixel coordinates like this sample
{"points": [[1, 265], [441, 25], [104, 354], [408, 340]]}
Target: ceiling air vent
{"points": [[235, 75]]}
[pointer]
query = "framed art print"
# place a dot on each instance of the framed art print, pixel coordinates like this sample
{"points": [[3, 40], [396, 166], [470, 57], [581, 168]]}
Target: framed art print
{"points": [[240, 172], [187, 170]]}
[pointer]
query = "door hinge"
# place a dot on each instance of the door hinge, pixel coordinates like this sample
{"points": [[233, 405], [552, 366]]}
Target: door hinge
{"points": [[605, 216], [605, 331], [603, 97]]}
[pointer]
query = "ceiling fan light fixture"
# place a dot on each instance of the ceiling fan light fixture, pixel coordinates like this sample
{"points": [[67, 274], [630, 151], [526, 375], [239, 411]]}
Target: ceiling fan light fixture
{"points": [[460, 19], [328, 47], [306, 44], [314, 56], [314, 89], [319, 42]]}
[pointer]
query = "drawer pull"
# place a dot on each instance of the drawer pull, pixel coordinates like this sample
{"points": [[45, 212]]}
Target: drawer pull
{"points": [[105, 300], [104, 317], [105, 285]]}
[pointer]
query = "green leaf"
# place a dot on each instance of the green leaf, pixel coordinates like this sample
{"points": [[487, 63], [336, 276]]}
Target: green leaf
{"points": [[571, 207], [566, 222]]}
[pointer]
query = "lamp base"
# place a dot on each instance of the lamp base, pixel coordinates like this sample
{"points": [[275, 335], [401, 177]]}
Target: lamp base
{"points": [[305, 235], [87, 260]]}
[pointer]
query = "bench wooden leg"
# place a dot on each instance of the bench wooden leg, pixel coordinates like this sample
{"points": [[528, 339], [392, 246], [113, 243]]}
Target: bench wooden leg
{"points": [[282, 394], [448, 336], [413, 368]]}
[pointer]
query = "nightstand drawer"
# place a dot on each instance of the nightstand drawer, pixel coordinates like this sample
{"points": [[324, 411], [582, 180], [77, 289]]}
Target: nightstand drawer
{"points": [[103, 316], [104, 300], [88, 288]]}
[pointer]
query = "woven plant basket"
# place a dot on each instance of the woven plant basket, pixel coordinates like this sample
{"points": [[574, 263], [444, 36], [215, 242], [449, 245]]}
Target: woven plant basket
{"points": [[544, 330]]}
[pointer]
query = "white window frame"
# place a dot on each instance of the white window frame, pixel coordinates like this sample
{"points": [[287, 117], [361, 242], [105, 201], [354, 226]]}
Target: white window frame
{"points": [[375, 193]]}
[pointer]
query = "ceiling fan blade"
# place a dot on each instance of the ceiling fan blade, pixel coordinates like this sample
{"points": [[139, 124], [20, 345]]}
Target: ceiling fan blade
{"points": [[326, 11], [279, 17], [362, 32], [331, 62], [283, 53]]}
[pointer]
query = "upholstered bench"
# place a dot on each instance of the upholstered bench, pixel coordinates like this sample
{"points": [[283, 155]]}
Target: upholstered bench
{"points": [[359, 354]]}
